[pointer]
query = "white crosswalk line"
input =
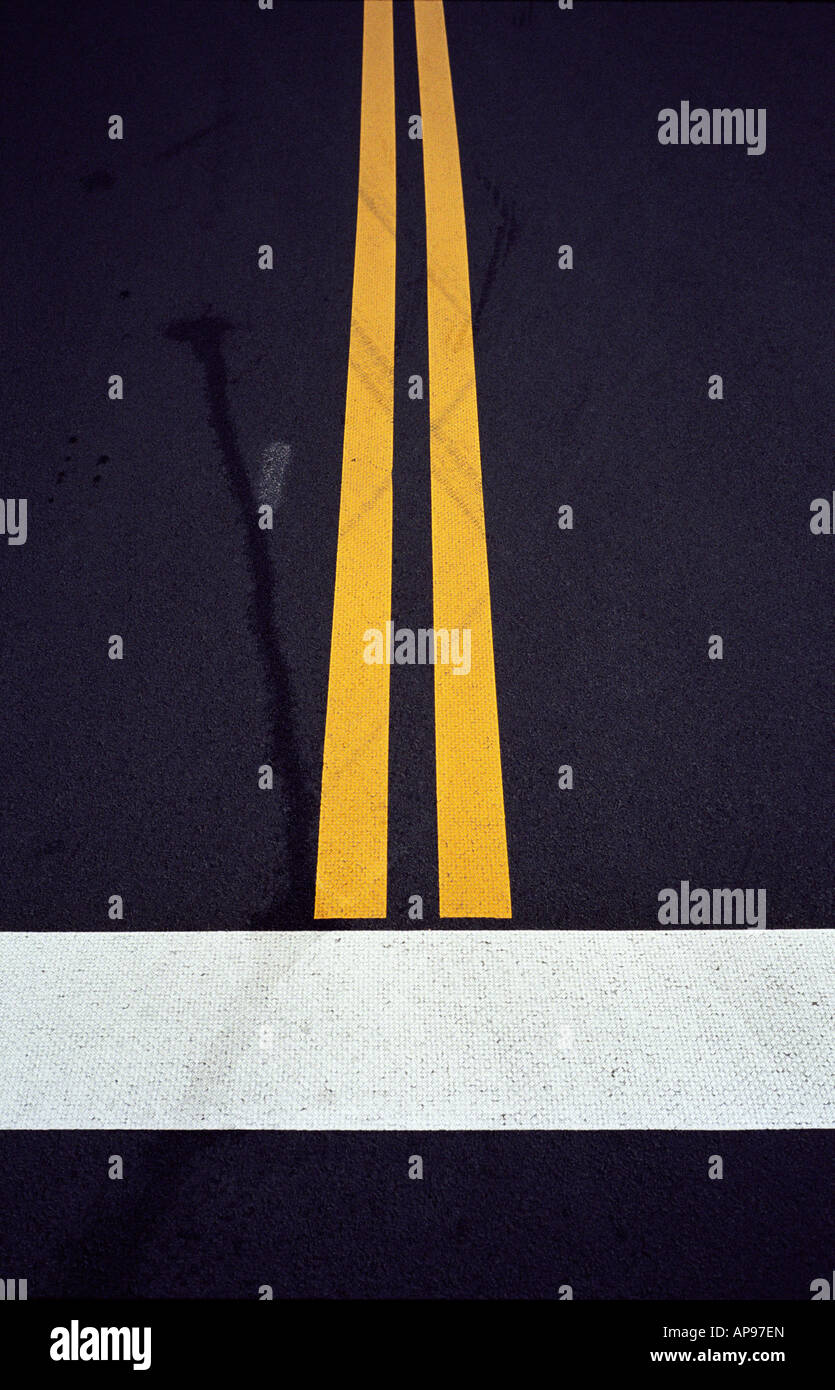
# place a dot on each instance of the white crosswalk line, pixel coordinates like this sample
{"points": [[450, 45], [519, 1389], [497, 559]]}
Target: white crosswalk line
{"points": [[700, 1029]]}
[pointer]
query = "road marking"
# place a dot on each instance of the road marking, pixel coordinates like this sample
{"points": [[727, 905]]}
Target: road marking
{"points": [[353, 818], [413, 1030], [472, 841], [275, 459]]}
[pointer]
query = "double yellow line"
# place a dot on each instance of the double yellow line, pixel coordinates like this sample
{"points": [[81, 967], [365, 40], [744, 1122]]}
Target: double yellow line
{"points": [[353, 824]]}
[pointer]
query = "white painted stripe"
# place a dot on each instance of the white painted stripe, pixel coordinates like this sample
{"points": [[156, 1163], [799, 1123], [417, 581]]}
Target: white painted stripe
{"points": [[275, 459], [416, 1030]]}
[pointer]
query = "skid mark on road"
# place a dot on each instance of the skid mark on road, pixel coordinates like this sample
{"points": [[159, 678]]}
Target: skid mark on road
{"points": [[503, 242], [205, 337]]}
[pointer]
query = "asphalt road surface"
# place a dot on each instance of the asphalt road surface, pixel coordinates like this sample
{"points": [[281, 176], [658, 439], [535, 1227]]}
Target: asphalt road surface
{"points": [[140, 777]]}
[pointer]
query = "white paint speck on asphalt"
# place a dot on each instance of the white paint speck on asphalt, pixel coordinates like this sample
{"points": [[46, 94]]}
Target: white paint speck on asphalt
{"points": [[275, 460]]}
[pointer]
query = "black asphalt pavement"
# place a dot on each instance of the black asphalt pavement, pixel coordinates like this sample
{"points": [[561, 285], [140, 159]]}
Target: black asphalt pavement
{"points": [[691, 518]]}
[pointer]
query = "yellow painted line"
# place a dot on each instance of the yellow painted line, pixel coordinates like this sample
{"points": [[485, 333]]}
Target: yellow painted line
{"points": [[472, 840], [353, 818]]}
